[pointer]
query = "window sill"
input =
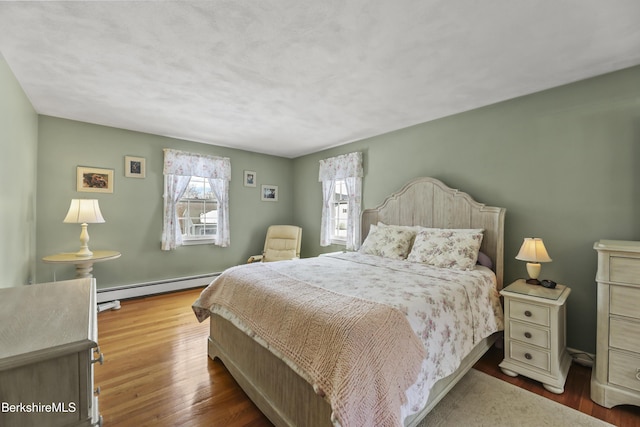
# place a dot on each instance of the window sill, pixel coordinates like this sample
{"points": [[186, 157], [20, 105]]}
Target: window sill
{"points": [[193, 242], [340, 242]]}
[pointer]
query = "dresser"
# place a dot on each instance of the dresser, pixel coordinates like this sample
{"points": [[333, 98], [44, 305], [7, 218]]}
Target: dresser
{"points": [[48, 346], [535, 334], [615, 379]]}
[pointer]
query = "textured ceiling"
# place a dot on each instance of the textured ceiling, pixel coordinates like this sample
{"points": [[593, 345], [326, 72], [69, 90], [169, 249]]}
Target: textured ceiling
{"points": [[291, 77]]}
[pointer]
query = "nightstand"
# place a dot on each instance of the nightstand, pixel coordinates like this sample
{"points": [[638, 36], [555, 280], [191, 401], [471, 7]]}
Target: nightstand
{"points": [[535, 334]]}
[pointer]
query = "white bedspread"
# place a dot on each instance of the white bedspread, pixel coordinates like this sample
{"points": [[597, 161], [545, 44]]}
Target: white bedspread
{"points": [[450, 310]]}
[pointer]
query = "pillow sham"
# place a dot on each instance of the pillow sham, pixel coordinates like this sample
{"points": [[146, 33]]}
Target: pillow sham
{"points": [[388, 242], [447, 248]]}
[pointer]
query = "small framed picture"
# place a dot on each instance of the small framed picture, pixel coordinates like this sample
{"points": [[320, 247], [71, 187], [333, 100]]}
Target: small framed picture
{"points": [[94, 180], [249, 179], [269, 193], [134, 167]]}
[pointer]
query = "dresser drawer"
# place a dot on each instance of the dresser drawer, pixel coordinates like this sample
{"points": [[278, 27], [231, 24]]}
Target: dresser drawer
{"points": [[624, 301], [624, 270], [624, 369], [528, 312], [537, 358], [624, 334], [527, 333]]}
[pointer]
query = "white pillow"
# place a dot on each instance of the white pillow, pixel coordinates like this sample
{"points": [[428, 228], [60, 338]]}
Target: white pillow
{"points": [[447, 248], [388, 242]]}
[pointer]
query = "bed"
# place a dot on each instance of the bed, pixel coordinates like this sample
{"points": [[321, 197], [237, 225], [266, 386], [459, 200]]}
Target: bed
{"points": [[286, 385]]}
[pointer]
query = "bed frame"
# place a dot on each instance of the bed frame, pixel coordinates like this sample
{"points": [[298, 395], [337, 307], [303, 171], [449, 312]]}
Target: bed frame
{"points": [[287, 399]]}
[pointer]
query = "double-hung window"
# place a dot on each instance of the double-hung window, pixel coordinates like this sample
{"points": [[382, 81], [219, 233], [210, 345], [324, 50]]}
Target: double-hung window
{"points": [[341, 179], [196, 199], [197, 211]]}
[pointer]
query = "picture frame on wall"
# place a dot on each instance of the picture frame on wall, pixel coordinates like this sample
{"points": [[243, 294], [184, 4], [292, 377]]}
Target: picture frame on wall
{"points": [[94, 180], [250, 179], [134, 167], [269, 193]]}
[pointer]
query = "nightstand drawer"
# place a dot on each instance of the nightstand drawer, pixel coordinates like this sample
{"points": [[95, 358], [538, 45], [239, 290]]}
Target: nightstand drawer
{"points": [[527, 333], [624, 270], [623, 334], [624, 370], [537, 358], [528, 312], [623, 300]]}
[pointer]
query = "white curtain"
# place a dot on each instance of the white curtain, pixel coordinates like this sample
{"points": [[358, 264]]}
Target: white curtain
{"points": [[328, 187], [347, 167], [174, 188], [179, 167], [220, 188]]}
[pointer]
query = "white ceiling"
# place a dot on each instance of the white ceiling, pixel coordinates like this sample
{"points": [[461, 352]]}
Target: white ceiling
{"points": [[291, 77]]}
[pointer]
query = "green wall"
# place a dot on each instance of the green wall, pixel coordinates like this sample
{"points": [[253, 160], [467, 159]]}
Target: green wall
{"points": [[563, 162], [19, 144], [133, 213]]}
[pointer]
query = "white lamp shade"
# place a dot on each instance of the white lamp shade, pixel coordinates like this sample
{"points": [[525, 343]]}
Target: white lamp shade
{"points": [[533, 250], [84, 211]]}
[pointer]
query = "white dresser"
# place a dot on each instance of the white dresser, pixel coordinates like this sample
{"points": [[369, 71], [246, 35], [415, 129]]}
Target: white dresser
{"points": [[615, 379], [535, 334], [48, 345]]}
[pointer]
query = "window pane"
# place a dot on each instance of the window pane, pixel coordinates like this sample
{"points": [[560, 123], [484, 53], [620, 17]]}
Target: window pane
{"points": [[197, 210], [340, 210]]}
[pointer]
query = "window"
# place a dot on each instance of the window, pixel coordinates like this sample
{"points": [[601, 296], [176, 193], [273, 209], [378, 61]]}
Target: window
{"points": [[198, 212], [341, 179], [196, 199], [340, 213]]}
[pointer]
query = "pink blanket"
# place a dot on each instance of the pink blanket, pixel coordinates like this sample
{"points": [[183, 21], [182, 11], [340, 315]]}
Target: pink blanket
{"points": [[360, 355]]}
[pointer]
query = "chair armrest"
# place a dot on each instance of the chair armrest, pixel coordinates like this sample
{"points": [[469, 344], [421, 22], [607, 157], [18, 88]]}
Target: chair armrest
{"points": [[254, 258]]}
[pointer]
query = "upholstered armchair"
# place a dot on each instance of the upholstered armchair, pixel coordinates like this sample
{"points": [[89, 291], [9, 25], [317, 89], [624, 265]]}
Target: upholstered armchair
{"points": [[282, 243]]}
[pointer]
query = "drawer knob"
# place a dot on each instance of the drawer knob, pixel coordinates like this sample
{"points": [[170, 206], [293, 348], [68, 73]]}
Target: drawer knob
{"points": [[638, 374], [528, 356], [97, 391], [527, 313], [527, 334], [100, 359]]}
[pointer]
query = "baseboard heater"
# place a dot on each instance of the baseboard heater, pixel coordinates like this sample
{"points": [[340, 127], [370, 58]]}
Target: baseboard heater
{"points": [[152, 288]]}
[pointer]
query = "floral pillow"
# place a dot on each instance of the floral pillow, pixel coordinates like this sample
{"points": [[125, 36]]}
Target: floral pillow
{"points": [[388, 242], [447, 248]]}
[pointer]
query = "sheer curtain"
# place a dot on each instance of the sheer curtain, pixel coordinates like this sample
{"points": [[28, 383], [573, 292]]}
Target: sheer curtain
{"points": [[347, 167], [179, 167]]}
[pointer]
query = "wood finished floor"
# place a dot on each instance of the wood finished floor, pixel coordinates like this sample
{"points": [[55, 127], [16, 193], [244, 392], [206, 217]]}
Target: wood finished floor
{"points": [[156, 372]]}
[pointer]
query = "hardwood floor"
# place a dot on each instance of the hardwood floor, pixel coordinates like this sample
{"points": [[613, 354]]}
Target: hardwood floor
{"points": [[156, 372]]}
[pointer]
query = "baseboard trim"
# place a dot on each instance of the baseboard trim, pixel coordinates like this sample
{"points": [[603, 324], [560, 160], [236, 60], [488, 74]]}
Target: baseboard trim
{"points": [[582, 357], [152, 288]]}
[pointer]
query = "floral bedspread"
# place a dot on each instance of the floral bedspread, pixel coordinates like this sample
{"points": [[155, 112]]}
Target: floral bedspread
{"points": [[450, 310]]}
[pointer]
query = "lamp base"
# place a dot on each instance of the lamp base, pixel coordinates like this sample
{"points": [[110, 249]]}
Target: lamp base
{"points": [[533, 281], [84, 252]]}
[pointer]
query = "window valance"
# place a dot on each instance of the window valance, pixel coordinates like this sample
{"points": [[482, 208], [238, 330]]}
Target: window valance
{"points": [[341, 167], [183, 163]]}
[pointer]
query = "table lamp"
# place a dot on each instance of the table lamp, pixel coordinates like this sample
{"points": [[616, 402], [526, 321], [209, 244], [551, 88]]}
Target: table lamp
{"points": [[84, 212], [534, 252]]}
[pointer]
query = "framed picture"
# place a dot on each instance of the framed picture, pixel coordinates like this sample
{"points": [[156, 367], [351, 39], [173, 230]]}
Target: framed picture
{"points": [[269, 193], [249, 179], [94, 180], [134, 167]]}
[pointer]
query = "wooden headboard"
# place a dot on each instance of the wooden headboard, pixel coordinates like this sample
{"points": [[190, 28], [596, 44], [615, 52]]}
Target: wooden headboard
{"points": [[428, 202]]}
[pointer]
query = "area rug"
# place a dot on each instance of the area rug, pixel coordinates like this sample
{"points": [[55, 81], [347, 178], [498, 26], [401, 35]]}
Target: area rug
{"points": [[482, 400]]}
